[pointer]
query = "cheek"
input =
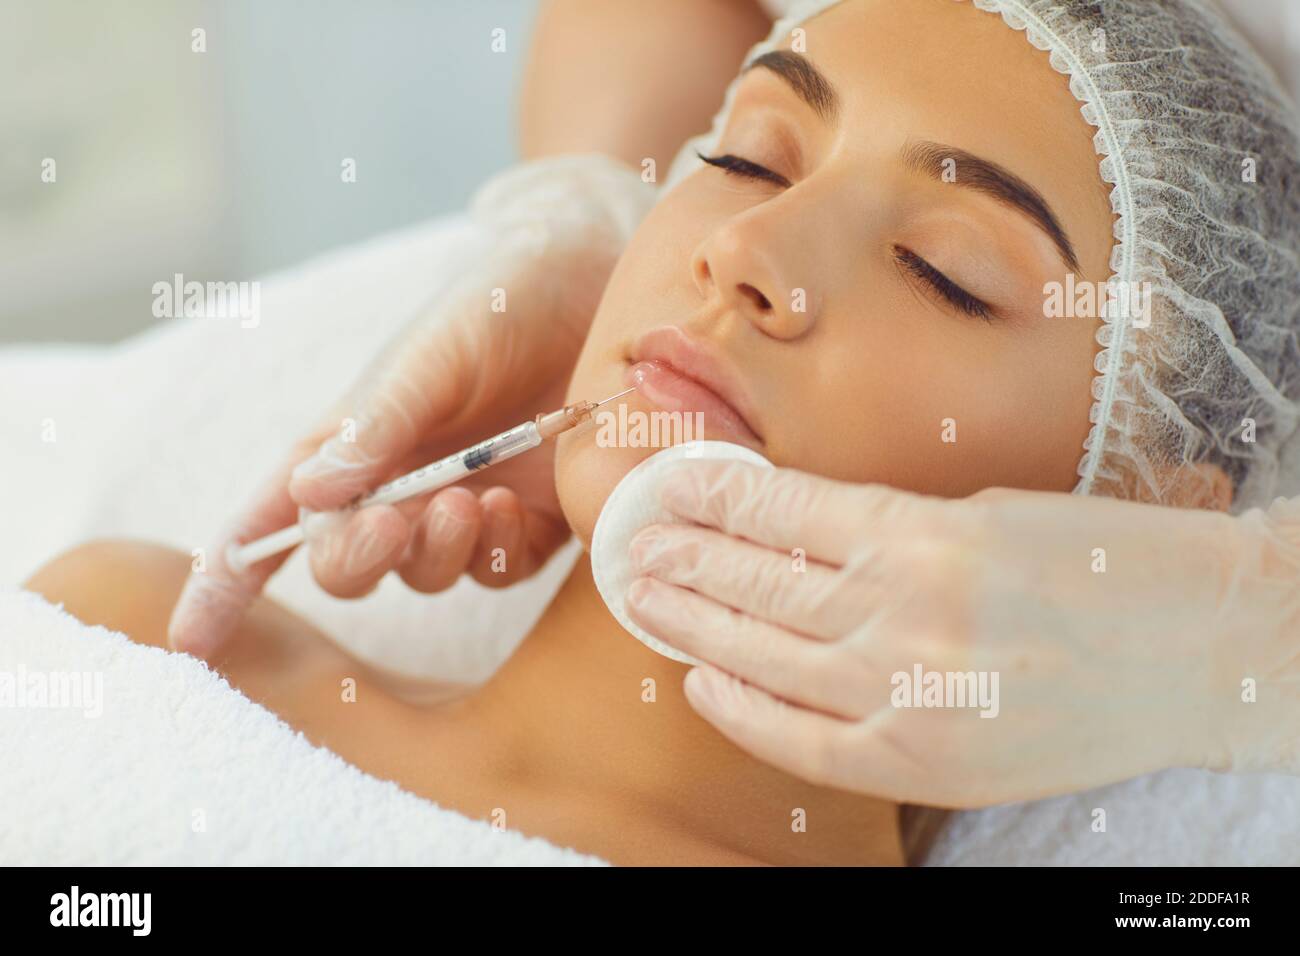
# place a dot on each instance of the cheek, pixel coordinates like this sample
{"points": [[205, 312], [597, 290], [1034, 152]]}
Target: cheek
{"points": [[1012, 415], [936, 408]]}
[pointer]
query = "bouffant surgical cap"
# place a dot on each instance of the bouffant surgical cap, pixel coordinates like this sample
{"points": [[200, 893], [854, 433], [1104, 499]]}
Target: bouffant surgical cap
{"points": [[1199, 144]]}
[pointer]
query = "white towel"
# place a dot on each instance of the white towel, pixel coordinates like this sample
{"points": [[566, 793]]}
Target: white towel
{"points": [[180, 768]]}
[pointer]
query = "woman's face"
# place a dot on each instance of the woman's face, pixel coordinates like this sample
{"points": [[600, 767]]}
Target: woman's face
{"points": [[862, 297]]}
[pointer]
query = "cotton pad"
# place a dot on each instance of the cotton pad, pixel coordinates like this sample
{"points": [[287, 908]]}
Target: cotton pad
{"points": [[634, 504]]}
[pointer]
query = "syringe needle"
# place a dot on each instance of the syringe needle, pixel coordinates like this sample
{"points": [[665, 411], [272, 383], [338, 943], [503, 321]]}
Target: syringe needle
{"points": [[619, 395]]}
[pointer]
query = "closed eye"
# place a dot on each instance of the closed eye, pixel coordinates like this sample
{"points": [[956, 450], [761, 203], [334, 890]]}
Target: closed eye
{"points": [[736, 166], [948, 290], [938, 283]]}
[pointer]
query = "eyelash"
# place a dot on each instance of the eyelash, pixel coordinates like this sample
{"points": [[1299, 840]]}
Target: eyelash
{"points": [[954, 294], [950, 291], [735, 166]]}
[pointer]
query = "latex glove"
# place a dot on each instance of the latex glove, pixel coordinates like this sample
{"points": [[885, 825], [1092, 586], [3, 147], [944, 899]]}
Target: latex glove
{"points": [[1103, 675], [459, 373]]}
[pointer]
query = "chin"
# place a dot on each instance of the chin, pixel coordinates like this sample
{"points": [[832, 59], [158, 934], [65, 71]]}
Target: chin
{"points": [[586, 473]]}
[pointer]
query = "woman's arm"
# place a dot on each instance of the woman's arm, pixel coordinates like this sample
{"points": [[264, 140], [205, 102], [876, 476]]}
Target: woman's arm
{"points": [[633, 80]]}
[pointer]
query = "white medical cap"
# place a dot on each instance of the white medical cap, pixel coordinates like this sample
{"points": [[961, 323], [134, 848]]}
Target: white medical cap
{"points": [[1200, 145]]}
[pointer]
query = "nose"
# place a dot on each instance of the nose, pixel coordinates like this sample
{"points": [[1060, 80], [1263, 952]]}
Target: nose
{"points": [[739, 265]]}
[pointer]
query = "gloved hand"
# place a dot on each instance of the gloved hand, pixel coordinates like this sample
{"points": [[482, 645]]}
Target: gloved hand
{"points": [[1121, 633], [459, 373]]}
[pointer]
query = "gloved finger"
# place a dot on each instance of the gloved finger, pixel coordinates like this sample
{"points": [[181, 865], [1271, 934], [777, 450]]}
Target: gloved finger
{"points": [[405, 406], [443, 541], [214, 599], [783, 589], [785, 509], [350, 561], [500, 555], [514, 540], [778, 660], [810, 745]]}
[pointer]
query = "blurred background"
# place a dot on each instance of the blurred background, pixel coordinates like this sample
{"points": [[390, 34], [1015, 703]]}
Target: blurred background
{"points": [[227, 164]]}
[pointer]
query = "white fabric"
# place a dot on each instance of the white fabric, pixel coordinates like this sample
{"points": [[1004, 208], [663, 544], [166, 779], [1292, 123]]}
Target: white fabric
{"points": [[181, 769], [632, 505], [1175, 818]]}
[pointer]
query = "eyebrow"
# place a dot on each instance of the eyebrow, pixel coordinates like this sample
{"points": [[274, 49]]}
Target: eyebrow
{"points": [[929, 158], [992, 180], [808, 82]]}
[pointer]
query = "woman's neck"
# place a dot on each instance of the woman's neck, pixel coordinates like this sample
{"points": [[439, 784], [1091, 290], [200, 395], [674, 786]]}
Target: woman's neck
{"points": [[583, 708]]}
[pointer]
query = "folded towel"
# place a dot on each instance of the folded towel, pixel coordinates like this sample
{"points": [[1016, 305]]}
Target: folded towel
{"points": [[157, 760]]}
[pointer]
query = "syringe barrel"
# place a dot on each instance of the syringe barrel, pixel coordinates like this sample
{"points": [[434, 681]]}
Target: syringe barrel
{"points": [[501, 447], [431, 477], [451, 469]]}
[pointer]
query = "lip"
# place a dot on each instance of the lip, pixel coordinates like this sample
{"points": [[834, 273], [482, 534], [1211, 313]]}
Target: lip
{"points": [[679, 373]]}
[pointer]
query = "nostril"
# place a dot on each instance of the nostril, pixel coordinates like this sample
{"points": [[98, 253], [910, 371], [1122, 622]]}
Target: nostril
{"points": [[755, 296]]}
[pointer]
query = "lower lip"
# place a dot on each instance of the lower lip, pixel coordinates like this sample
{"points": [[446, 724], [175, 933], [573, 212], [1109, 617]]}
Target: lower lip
{"points": [[663, 386]]}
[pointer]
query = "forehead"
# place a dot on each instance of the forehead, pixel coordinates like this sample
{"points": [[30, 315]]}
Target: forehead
{"points": [[951, 73]]}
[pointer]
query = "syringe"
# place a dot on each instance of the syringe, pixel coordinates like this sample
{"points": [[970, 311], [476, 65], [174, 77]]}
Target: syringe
{"points": [[435, 475]]}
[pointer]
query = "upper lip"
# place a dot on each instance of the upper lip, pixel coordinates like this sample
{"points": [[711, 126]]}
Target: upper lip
{"points": [[700, 361]]}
